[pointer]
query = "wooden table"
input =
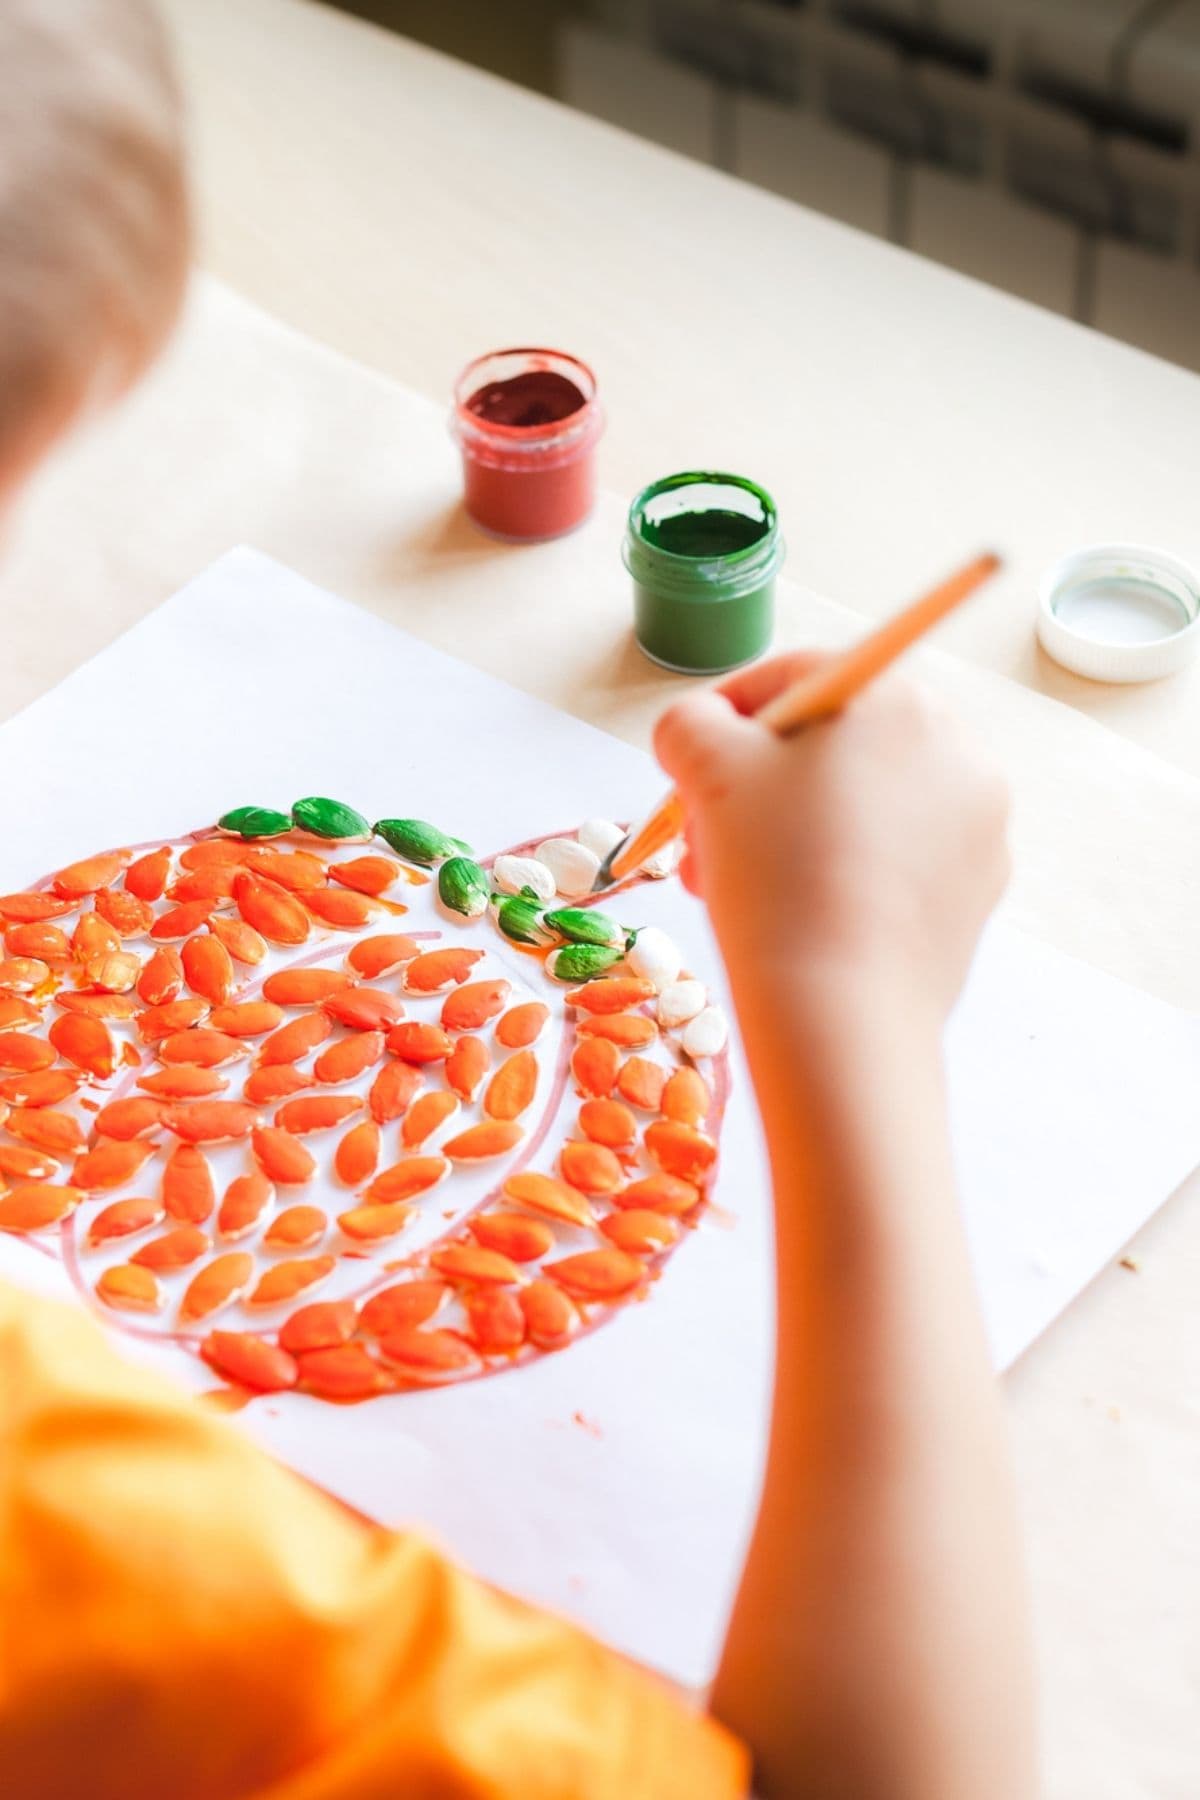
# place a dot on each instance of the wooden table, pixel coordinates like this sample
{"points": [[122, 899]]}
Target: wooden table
{"points": [[410, 212]]}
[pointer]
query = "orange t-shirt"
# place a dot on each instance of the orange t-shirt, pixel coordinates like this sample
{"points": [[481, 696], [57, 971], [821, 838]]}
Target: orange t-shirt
{"points": [[183, 1619]]}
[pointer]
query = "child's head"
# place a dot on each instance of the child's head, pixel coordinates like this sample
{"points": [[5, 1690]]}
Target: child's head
{"points": [[93, 212]]}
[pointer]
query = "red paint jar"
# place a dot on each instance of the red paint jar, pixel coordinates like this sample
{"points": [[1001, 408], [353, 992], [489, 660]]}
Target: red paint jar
{"points": [[527, 422]]}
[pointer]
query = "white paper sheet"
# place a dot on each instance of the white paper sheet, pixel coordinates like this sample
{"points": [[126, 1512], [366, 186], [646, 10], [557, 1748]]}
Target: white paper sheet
{"points": [[615, 1482]]}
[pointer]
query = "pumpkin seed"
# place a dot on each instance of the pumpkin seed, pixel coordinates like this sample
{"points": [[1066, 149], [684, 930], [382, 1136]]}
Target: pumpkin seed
{"points": [[520, 920], [254, 822], [584, 925], [418, 841], [328, 818], [679, 1002], [581, 962], [600, 836], [573, 867], [463, 887], [706, 1034], [513, 874], [655, 957]]}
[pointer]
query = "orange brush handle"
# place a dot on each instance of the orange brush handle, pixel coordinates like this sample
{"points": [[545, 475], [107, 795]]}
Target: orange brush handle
{"points": [[823, 692]]}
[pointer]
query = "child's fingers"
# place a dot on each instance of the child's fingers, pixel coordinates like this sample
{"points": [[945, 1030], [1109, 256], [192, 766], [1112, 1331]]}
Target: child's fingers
{"points": [[698, 739], [749, 689]]}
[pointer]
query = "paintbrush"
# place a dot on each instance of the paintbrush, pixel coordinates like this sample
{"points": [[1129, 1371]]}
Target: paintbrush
{"points": [[818, 695]]}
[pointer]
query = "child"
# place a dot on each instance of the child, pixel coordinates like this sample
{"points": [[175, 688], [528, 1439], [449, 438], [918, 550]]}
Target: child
{"points": [[181, 1616]]}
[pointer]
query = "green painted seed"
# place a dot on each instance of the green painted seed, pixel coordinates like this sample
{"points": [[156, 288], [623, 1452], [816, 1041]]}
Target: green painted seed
{"points": [[254, 822], [418, 841], [463, 887], [581, 962], [328, 818], [519, 918], [584, 925]]}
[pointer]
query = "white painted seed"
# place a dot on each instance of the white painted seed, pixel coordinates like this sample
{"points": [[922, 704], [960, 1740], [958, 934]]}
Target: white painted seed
{"points": [[655, 957], [513, 873], [600, 836], [706, 1034], [680, 1002], [573, 867]]}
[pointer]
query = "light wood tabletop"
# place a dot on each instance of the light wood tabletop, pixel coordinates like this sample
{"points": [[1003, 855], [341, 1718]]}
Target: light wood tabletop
{"points": [[411, 213]]}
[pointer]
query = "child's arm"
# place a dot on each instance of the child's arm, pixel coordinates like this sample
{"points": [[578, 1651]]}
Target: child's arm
{"points": [[878, 1649]]}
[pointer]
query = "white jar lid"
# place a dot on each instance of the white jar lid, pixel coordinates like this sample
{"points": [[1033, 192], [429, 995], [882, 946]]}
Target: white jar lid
{"points": [[1120, 612]]}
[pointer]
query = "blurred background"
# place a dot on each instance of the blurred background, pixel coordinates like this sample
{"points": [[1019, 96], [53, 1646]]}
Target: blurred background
{"points": [[1049, 147]]}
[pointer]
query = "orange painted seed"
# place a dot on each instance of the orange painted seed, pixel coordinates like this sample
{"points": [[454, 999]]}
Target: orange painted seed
{"points": [[321, 1325], [218, 1284], [608, 1122], [686, 1098], [512, 1234], [495, 1320], [375, 956], [632, 1031], [474, 1004], [414, 1175], [598, 1274], [522, 1025], [425, 1115], [287, 1279], [642, 1083], [296, 1228], [611, 994], [303, 987], [282, 1158], [357, 1155], [32, 1206], [371, 1224], [349, 1058], [640, 1232], [245, 1200], [680, 1149], [187, 1190], [550, 1317], [466, 1067], [294, 1040], [495, 1137], [552, 1198], [592, 1168], [408, 1303], [129, 1289], [342, 1372], [511, 1089], [595, 1064], [250, 1361]]}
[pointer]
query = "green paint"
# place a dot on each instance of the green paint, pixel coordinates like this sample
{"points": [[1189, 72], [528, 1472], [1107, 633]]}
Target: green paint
{"points": [[703, 550], [463, 887], [584, 925], [581, 962], [254, 822], [708, 534], [519, 917], [418, 841]]}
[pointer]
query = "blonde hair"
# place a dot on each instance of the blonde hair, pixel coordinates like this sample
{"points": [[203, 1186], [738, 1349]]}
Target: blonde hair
{"points": [[94, 226]]}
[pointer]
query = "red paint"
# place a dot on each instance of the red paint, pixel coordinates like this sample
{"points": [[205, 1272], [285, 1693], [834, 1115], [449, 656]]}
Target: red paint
{"points": [[527, 422], [536, 397]]}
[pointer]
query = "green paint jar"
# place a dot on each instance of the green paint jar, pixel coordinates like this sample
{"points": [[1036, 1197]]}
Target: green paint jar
{"points": [[703, 551]]}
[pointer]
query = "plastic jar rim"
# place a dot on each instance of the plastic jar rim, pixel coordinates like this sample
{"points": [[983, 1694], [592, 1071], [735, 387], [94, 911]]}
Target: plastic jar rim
{"points": [[703, 578], [515, 446]]}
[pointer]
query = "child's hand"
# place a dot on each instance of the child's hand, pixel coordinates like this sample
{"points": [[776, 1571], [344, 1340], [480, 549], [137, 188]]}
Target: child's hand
{"points": [[873, 845]]}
